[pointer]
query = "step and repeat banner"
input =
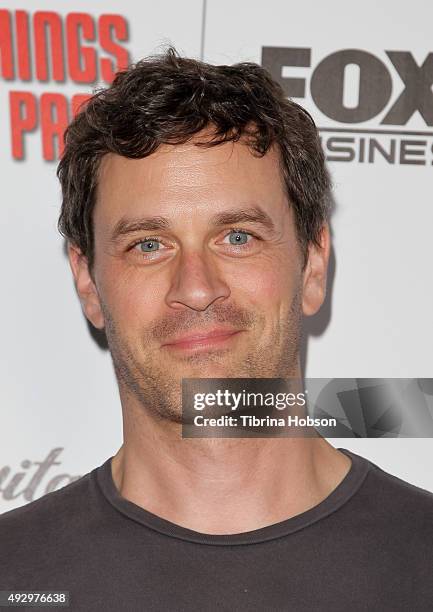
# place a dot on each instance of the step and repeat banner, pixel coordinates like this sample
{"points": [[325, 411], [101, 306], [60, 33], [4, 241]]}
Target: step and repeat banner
{"points": [[363, 70]]}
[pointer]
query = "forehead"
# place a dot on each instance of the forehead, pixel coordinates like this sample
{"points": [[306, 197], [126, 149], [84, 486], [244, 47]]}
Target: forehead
{"points": [[185, 178]]}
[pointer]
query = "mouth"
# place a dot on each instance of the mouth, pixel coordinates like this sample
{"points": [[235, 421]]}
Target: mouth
{"points": [[203, 341]]}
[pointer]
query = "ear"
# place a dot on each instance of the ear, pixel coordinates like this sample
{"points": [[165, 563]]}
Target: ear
{"points": [[314, 277], [85, 287]]}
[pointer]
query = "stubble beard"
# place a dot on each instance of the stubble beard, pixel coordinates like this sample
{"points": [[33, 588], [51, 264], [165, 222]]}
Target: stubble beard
{"points": [[158, 391]]}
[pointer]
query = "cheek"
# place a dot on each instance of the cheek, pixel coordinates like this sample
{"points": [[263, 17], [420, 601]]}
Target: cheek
{"points": [[262, 286], [133, 300], [267, 284]]}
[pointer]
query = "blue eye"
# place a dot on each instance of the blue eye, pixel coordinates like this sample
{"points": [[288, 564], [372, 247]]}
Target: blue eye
{"points": [[238, 237], [147, 245]]}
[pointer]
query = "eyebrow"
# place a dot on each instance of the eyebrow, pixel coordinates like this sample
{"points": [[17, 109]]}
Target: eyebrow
{"points": [[129, 226], [254, 214]]}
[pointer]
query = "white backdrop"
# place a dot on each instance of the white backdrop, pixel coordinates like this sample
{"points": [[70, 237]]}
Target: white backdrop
{"points": [[60, 410]]}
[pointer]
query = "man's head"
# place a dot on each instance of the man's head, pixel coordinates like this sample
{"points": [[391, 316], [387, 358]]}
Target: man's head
{"points": [[195, 199]]}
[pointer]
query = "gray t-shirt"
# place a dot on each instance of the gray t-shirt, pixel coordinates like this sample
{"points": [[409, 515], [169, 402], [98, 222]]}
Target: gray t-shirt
{"points": [[367, 546]]}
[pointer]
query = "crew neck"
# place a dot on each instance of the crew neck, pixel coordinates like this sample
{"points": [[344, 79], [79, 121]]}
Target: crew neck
{"points": [[338, 497]]}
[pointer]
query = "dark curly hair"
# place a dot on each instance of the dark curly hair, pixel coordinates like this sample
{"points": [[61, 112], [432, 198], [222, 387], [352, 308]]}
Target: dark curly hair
{"points": [[166, 99]]}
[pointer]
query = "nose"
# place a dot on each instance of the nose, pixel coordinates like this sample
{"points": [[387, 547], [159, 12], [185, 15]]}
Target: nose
{"points": [[196, 283]]}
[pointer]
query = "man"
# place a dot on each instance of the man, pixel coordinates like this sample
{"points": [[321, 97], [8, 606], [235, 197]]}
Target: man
{"points": [[195, 204]]}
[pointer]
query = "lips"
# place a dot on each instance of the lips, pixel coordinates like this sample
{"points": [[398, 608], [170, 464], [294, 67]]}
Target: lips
{"points": [[203, 338]]}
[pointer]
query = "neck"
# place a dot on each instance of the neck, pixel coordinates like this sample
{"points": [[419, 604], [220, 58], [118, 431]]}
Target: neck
{"points": [[222, 486]]}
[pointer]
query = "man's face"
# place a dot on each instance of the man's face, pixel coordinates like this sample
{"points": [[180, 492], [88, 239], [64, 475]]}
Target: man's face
{"points": [[193, 241]]}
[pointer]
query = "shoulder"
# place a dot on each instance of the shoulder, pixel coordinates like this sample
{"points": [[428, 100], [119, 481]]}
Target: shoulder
{"points": [[47, 517], [395, 490], [388, 504], [42, 539]]}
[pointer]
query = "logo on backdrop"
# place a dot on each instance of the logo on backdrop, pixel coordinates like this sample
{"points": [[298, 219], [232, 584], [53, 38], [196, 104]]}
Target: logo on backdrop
{"points": [[351, 87], [47, 48], [33, 478]]}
